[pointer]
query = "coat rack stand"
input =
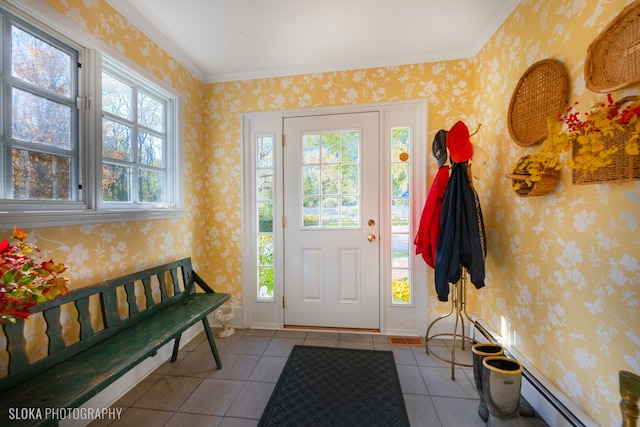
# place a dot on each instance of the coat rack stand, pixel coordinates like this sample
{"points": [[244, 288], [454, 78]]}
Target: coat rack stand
{"points": [[459, 310]]}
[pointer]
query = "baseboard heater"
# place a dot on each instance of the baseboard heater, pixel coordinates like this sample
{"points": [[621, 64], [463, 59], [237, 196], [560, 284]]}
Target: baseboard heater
{"points": [[550, 402]]}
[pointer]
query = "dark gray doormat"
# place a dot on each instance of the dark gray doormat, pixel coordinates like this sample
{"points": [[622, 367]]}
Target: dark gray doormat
{"points": [[325, 386]]}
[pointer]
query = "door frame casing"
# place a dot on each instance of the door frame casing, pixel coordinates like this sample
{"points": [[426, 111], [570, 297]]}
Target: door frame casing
{"points": [[394, 319]]}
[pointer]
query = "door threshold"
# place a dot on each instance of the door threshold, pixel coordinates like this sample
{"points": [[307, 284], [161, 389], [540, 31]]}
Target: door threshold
{"points": [[331, 328], [411, 341]]}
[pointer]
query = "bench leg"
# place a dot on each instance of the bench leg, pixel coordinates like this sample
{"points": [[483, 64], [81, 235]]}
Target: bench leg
{"points": [[176, 347], [212, 343]]}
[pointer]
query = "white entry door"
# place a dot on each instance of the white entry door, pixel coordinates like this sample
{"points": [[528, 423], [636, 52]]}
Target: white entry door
{"points": [[331, 208]]}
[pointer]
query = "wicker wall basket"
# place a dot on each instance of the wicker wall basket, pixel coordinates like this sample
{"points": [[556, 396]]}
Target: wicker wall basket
{"points": [[613, 58], [545, 185], [622, 168], [541, 93]]}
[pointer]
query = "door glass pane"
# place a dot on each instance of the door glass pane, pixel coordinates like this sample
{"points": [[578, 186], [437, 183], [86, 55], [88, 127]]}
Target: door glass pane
{"points": [[331, 179], [400, 215], [350, 146], [400, 179], [349, 211], [330, 212], [265, 266], [311, 149], [400, 250], [264, 151], [311, 180], [265, 217], [330, 147], [265, 184], [311, 211]]}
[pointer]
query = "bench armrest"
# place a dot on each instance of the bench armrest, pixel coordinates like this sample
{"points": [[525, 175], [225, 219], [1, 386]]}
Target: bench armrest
{"points": [[200, 282]]}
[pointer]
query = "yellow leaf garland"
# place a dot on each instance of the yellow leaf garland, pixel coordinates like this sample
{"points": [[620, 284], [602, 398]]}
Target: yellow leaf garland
{"points": [[602, 121]]}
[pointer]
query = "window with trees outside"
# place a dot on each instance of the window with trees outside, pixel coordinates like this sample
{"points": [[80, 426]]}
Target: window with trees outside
{"points": [[40, 117], [80, 133], [134, 141], [265, 202], [400, 216]]}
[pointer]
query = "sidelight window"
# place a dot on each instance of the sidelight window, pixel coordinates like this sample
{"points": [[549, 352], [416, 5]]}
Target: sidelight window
{"points": [[265, 201], [400, 215]]}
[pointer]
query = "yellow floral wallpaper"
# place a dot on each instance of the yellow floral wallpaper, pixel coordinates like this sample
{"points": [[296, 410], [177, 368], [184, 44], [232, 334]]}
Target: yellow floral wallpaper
{"points": [[562, 270]]}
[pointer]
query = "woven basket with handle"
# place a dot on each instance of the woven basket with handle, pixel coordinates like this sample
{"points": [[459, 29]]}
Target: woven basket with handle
{"points": [[613, 58], [547, 183], [623, 167]]}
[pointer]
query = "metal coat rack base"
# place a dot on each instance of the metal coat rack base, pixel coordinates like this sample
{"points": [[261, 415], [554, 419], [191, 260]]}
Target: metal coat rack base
{"points": [[459, 310]]}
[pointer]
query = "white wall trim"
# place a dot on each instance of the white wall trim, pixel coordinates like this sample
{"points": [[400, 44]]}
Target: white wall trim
{"points": [[404, 320], [548, 400], [554, 407]]}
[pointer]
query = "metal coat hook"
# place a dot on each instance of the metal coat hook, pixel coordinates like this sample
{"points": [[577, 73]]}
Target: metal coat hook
{"points": [[476, 131]]}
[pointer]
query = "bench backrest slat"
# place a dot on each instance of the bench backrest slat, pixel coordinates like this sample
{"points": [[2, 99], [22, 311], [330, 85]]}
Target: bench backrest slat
{"points": [[163, 287], [84, 318], [148, 292], [109, 306], [129, 288], [54, 329], [104, 311], [16, 346], [176, 281]]}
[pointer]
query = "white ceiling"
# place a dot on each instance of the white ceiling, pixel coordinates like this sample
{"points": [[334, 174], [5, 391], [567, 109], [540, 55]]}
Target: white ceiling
{"points": [[222, 40]]}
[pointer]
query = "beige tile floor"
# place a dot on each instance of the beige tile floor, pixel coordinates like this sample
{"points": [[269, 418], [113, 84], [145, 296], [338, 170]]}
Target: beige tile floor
{"points": [[192, 392]]}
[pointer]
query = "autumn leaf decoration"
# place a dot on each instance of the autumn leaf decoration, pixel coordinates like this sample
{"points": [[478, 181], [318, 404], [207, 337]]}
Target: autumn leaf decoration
{"points": [[591, 152], [25, 278]]}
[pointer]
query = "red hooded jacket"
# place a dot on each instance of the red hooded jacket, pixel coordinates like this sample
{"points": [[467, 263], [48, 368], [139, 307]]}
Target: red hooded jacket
{"points": [[426, 239]]}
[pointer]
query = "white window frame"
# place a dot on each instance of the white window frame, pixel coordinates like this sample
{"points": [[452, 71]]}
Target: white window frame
{"points": [[120, 72], [89, 209]]}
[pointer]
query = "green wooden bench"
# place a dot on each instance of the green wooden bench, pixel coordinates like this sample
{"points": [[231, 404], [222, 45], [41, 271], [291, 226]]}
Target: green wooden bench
{"points": [[159, 303]]}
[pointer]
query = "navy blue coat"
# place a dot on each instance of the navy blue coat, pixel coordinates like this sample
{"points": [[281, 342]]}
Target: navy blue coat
{"points": [[462, 240]]}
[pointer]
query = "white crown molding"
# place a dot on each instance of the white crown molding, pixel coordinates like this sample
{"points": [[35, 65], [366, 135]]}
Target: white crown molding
{"points": [[335, 67], [139, 22]]}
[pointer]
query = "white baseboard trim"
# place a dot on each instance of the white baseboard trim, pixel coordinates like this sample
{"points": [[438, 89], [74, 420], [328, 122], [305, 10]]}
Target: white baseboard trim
{"points": [[401, 332], [264, 325], [553, 406], [110, 395]]}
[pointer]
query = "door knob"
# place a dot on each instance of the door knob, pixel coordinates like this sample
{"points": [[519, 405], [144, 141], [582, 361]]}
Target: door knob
{"points": [[371, 237]]}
